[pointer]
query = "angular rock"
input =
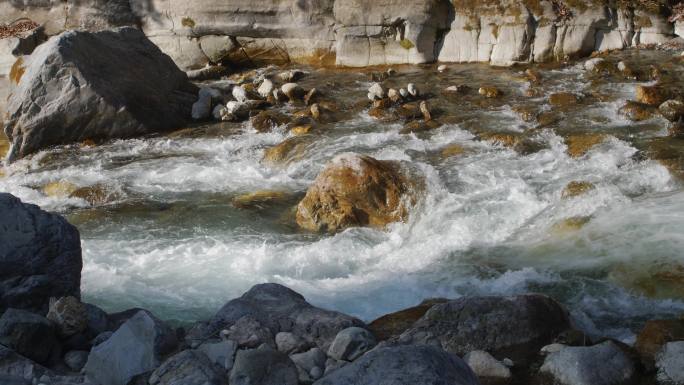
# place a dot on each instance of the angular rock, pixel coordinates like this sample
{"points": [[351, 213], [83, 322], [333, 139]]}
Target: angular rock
{"points": [[248, 332], [188, 367], [263, 367], [40, 255], [670, 364], [129, 89], [289, 343], [357, 190], [672, 110], [485, 366], [603, 364], [220, 353], [135, 348], [97, 320], [69, 314], [310, 364], [282, 310], [515, 327], [649, 95], [28, 334], [293, 91], [15, 365], [424, 365], [376, 92], [351, 343], [76, 359]]}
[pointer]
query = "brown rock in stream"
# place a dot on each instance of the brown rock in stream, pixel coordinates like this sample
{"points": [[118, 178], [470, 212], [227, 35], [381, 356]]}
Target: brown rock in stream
{"points": [[357, 190], [654, 335]]}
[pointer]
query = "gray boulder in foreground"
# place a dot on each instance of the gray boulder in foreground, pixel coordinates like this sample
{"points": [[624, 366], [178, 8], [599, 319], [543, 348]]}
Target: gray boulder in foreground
{"points": [[351, 343], [189, 367], [263, 367], [135, 348], [403, 365], [513, 327], [40, 256], [602, 364], [670, 364], [275, 308], [102, 85]]}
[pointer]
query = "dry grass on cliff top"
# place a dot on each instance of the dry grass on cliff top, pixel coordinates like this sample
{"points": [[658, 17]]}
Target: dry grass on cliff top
{"points": [[501, 7], [17, 28]]}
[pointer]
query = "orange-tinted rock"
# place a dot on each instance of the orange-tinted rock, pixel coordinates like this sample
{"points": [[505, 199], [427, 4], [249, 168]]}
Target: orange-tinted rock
{"points": [[650, 95], [578, 145], [290, 149], [489, 92], [357, 190], [504, 139], [394, 324], [635, 111], [654, 335], [96, 195], [563, 99], [453, 150], [259, 199], [576, 188], [265, 121]]}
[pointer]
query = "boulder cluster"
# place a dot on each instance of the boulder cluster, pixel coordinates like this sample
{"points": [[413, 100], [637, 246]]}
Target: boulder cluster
{"points": [[272, 336]]}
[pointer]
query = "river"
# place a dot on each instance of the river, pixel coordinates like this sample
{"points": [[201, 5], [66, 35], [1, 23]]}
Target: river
{"points": [[493, 220]]}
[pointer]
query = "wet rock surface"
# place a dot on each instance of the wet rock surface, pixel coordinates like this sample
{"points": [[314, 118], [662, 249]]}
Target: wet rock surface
{"points": [[403, 364], [513, 327], [40, 255]]}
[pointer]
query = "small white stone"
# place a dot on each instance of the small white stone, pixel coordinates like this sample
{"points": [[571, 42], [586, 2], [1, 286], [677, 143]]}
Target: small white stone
{"points": [[442, 68], [376, 91], [508, 362], [621, 66], [239, 94], [412, 89], [403, 93], [265, 88]]}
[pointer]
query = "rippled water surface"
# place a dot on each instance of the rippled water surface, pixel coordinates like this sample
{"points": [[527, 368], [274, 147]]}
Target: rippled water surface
{"points": [[492, 221]]}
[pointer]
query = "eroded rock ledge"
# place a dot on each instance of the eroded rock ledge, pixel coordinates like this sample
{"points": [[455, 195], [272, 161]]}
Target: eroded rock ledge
{"points": [[359, 33]]}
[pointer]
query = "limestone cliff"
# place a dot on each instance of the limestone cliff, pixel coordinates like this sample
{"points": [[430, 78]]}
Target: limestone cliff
{"points": [[364, 32]]}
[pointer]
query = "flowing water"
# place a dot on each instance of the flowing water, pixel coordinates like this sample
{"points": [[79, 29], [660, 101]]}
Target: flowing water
{"points": [[492, 219]]}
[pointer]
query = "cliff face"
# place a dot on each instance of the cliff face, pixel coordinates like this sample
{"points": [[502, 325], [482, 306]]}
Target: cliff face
{"points": [[363, 32]]}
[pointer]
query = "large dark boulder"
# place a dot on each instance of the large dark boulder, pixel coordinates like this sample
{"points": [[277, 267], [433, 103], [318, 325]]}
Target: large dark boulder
{"points": [[513, 327], [411, 364], [40, 256], [267, 309], [81, 85]]}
